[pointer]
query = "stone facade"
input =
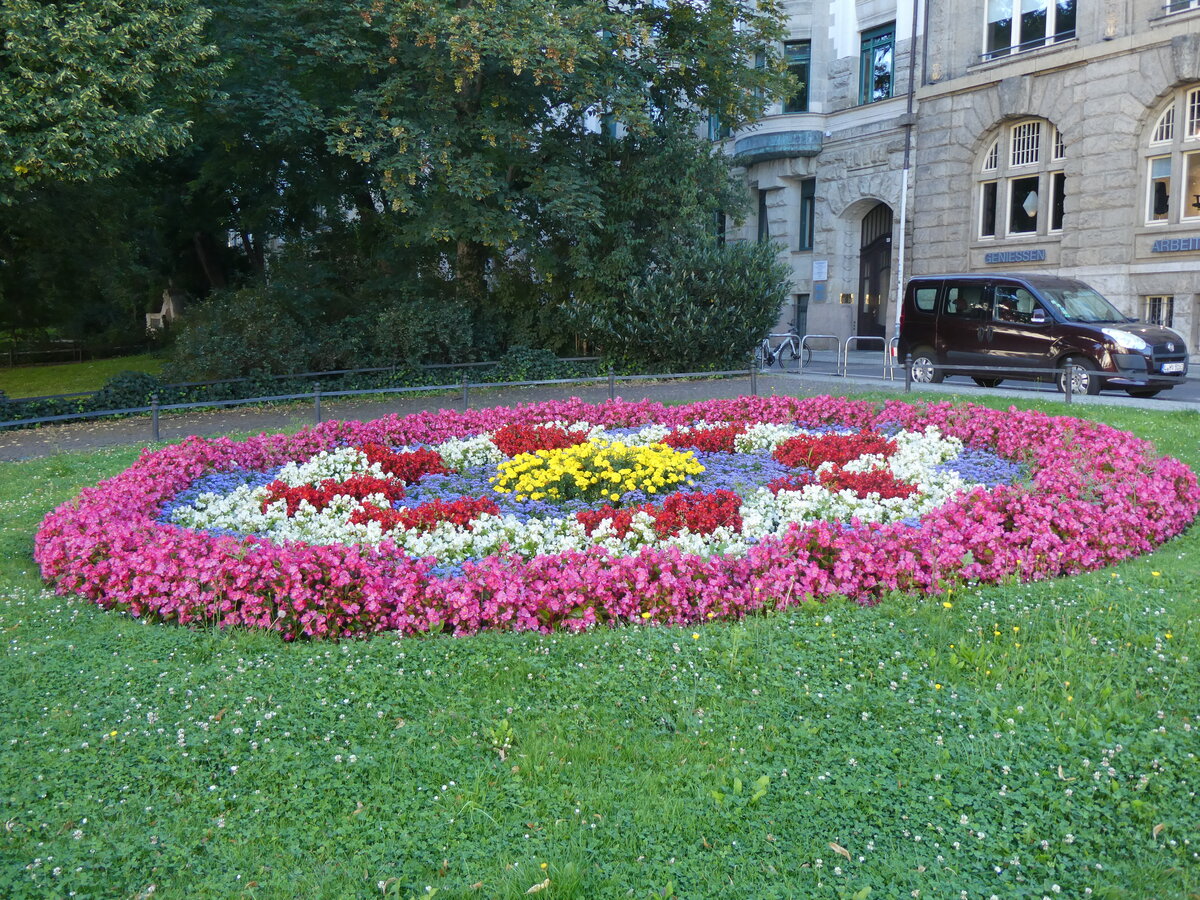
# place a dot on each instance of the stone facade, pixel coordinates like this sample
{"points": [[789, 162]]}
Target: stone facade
{"points": [[1096, 96], [854, 153]]}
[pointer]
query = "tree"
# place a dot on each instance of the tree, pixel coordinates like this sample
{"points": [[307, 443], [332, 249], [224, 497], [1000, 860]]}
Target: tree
{"points": [[88, 85], [481, 118]]}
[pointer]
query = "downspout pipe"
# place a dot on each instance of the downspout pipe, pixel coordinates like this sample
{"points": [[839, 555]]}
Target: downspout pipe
{"points": [[908, 141]]}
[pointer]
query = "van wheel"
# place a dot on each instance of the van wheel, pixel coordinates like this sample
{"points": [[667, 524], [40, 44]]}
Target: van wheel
{"points": [[922, 368], [1143, 392], [1082, 372], [988, 382]]}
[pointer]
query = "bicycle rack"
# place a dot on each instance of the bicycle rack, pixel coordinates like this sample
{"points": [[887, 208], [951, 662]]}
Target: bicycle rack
{"points": [[837, 349], [845, 360], [892, 360]]}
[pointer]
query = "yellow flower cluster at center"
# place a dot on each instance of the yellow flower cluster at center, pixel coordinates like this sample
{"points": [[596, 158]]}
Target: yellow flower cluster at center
{"points": [[597, 470]]}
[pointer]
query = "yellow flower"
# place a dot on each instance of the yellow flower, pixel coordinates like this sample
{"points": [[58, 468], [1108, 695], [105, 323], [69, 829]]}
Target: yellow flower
{"points": [[947, 604], [695, 636], [1155, 574], [937, 687], [646, 615]]}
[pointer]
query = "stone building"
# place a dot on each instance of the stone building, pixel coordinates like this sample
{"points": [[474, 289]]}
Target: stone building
{"points": [[1064, 138], [825, 167], [1061, 138]]}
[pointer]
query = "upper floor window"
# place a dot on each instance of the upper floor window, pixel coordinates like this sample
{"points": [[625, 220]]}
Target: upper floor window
{"points": [[877, 64], [808, 213], [1173, 6], [1172, 162], [717, 130], [1036, 24], [799, 62], [1022, 187]]}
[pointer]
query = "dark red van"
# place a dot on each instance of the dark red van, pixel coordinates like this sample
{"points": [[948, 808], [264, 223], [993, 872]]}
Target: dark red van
{"points": [[963, 324]]}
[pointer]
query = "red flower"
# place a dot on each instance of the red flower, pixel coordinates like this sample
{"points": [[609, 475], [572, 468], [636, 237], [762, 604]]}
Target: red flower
{"points": [[408, 466], [712, 440], [427, 516], [879, 481], [516, 439], [811, 450], [356, 486], [698, 513]]}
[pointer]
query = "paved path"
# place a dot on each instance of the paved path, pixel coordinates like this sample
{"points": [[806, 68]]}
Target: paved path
{"points": [[175, 426]]}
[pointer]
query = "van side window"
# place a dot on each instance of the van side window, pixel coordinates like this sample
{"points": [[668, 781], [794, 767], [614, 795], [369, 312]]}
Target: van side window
{"points": [[926, 298], [967, 301], [1014, 304]]}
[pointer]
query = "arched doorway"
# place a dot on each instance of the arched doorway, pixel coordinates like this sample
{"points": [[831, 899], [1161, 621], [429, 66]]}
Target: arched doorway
{"points": [[875, 271]]}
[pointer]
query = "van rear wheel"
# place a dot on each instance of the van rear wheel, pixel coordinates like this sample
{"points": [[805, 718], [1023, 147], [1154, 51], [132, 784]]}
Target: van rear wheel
{"points": [[1083, 374], [922, 367], [1143, 392]]}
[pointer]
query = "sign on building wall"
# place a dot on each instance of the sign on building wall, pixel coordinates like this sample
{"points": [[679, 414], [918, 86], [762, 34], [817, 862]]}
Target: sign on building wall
{"points": [[1014, 256], [1175, 245]]}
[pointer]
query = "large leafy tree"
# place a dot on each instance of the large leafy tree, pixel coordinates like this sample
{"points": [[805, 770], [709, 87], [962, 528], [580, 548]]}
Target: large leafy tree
{"points": [[484, 120], [88, 85]]}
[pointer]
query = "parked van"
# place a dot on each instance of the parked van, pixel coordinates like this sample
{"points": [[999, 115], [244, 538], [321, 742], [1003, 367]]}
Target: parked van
{"points": [[962, 324]]}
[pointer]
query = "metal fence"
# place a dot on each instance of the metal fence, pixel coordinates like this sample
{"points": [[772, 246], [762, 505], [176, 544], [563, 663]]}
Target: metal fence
{"points": [[317, 395]]}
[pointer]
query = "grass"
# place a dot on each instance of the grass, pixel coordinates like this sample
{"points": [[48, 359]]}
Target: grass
{"points": [[1016, 741], [71, 378]]}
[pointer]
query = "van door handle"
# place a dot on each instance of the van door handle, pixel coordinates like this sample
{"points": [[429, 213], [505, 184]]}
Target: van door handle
{"points": [[985, 333]]}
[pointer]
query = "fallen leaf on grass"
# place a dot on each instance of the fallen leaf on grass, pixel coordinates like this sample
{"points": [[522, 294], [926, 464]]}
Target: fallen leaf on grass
{"points": [[839, 849], [537, 888], [1157, 828]]}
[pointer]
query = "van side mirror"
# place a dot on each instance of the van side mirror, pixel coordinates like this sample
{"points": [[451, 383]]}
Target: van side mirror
{"points": [[1038, 317]]}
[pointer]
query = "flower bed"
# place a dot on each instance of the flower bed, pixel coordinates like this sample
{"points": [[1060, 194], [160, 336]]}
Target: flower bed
{"points": [[444, 521]]}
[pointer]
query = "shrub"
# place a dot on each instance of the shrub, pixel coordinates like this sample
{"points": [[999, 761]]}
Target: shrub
{"points": [[128, 390], [701, 307], [236, 334], [423, 330]]}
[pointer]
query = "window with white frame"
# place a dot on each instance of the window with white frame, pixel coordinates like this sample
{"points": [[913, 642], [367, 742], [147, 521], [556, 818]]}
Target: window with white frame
{"points": [[1022, 186], [1174, 6], [1159, 310], [1014, 26], [1171, 161]]}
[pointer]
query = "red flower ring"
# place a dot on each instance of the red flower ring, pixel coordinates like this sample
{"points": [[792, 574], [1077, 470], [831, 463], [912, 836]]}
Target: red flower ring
{"points": [[1096, 496]]}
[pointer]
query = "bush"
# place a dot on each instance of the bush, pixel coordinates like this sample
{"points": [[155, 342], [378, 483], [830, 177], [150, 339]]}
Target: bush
{"points": [[237, 334], [423, 330], [127, 390], [703, 306]]}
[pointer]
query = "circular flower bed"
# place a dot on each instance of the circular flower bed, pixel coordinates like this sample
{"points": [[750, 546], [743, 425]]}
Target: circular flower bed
{"points": [[569, 514]]}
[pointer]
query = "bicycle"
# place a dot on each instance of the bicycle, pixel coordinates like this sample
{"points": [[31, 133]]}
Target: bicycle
{"points": [[789, 349]]}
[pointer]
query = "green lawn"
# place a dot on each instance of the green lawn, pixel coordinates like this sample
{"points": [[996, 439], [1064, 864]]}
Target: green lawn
{"points": [[70, 378], [1016, 741]]}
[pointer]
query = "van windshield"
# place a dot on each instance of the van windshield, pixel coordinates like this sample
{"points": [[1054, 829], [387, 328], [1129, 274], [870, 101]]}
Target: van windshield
{"points": [[1078, 303]]}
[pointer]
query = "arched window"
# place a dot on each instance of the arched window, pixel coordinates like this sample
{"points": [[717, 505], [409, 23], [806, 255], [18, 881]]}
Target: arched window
{"points": [[1172, 157], [1022, 186]]}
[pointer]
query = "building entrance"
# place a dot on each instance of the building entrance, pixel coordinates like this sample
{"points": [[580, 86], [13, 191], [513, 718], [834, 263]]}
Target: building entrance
{"points": [[874, 271]]}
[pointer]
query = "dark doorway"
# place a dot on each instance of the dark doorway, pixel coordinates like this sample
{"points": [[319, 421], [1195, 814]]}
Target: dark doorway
{"points": [[875, 271]]}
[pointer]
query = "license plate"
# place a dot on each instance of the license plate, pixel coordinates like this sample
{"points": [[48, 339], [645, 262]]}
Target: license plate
{"points": [[1172, 368]]}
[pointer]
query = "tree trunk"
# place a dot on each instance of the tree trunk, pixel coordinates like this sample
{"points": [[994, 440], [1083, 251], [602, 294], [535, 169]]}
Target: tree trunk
{"points": [[470, 283], [212, 267]]}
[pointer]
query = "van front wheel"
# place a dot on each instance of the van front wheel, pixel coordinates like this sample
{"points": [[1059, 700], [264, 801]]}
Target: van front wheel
{"points": [[922, 368], [1082, 372]]}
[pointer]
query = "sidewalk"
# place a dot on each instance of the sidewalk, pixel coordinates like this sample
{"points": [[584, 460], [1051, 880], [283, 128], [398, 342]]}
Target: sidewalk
{"points": [[173, 427]]}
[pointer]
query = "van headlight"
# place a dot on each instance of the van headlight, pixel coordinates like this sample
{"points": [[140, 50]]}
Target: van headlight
{"points": [[1126, 340]]}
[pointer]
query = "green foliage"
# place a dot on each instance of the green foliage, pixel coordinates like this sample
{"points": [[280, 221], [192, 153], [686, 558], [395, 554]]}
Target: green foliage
{"points": [[203, 760], [423, 331], [700, 305], [236, 334], [127, 390], [86, 85]]}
